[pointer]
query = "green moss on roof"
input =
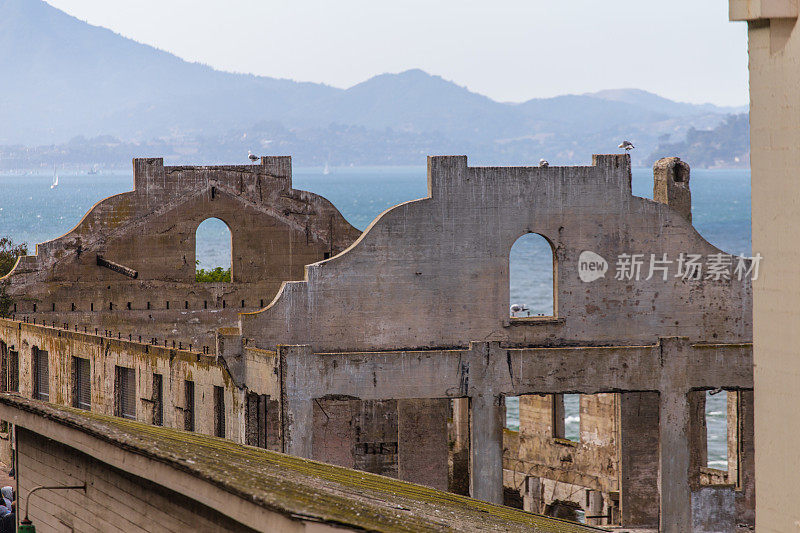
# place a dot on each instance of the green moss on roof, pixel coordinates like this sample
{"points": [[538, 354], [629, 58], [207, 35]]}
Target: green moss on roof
{"points": [[300, 487]]}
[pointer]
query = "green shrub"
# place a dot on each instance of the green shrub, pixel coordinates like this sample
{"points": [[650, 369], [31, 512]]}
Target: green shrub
{"points": [[217, 274]]}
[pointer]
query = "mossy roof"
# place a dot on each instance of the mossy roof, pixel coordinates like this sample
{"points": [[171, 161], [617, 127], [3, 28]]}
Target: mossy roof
{"points": [[298, 487]]}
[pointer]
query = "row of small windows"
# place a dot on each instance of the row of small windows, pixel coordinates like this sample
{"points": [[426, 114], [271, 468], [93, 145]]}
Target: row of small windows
{"points": [[125, 397], [129, 306]]}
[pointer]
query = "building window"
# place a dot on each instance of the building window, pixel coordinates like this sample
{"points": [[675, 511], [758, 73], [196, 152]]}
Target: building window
{"points": [[532, 277], [13, 371], [566, 416], [256, 420], [219, 411], [41, 374], [213, 262], [188, 409], [125, 392], [158, 400], [81, 383]]}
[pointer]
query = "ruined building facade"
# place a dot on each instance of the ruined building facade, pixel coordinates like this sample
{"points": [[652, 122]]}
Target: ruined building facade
{"points": [[393, 351]]}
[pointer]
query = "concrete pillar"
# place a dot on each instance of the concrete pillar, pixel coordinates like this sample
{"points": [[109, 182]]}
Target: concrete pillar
{"points": [[741, 454], [422, 441], [698, 434], [486, 448], [298, 375], [674, 459], [639, 457], [532, 499]]}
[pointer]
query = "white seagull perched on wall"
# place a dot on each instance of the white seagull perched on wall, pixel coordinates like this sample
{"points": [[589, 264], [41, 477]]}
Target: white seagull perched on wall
{"points": [[627, 145], [518, 308], [252, 157], [543, 163]]}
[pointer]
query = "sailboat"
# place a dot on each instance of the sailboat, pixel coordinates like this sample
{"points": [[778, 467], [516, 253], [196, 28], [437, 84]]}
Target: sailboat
{"points": [[55, 178], [326, 170]]}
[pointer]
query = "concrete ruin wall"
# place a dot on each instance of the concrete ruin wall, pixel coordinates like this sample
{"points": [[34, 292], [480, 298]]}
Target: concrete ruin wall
{"points": [[175, 366], [275, 230], [434, 272]]}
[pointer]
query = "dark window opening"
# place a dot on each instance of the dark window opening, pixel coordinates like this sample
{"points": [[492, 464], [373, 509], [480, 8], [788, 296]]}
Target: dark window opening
{"points": [[158, 400], [242, 303], [219, 411], [205, 304], [167, 304], [326, 255], [188, 409], [256, 420], [41, 374], [34, 308], [129, 306], [148, 306], [125, 392], [110, 306], [81, 383], [54, 306], [186, 305], [91, 306], [73, 306]]}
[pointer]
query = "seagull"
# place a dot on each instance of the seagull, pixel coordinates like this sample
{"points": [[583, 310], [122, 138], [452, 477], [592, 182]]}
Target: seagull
{"points": [[518, 308], [543, 163], [627, 145], [252, 157]]}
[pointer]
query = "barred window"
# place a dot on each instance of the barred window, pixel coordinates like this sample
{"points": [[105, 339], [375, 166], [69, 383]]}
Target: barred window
{"points": [[256, 419], [188, 410], [13, 371], [41, 374], [81, 383], [158, 400], [219, 411], [125, 392]]}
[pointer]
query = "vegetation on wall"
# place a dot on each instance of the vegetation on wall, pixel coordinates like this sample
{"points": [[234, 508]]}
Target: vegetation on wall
{"points": [[217, 274], [8, 258]]}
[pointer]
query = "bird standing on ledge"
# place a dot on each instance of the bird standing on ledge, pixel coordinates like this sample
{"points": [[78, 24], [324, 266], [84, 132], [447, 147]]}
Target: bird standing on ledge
{"points": [[627, 145], [252, 157], [543, 163]]}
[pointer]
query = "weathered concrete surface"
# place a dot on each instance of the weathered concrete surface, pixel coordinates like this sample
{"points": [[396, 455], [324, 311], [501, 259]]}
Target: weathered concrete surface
{"points": [[275, 231], [175, 366], [434, 272], [639, 423], [774, 53], [713, 510]]}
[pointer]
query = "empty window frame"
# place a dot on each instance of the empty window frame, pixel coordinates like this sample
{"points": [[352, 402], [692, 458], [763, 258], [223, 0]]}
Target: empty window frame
{"points": [[13, 371], [81, 383], [219, 411], [125, 392], [567, 416], [158, 400], [532, 277], [188, 409], [256, 420], [41, 374]]}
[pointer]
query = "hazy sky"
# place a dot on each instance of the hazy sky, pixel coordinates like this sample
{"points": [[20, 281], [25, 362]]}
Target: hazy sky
{"points": [[510, 50]]}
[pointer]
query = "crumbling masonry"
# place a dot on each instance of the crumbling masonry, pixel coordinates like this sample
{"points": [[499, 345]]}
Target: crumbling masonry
{"points": [[393, 350]]}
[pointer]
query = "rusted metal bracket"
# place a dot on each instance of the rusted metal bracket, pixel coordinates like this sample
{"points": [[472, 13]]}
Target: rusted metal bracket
{"points": [[116, 267]]}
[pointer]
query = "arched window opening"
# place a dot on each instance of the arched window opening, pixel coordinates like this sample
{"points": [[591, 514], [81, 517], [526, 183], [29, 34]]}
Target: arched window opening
{"points": [[531, 277], [213, 251]]}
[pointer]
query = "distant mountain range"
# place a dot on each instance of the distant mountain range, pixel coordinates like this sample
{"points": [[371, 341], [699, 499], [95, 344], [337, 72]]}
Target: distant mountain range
{"points": [[63, 78]]}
